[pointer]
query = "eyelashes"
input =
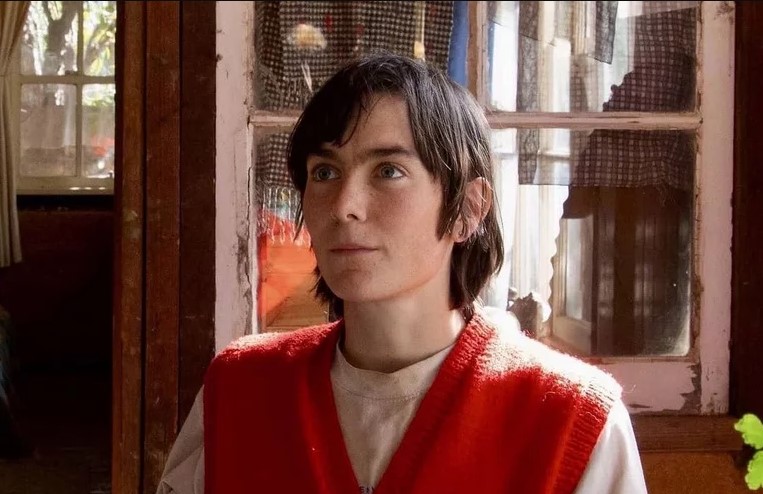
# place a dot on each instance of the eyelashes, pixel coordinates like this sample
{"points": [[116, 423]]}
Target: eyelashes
{"points": [[388, 170], [323, 173]]}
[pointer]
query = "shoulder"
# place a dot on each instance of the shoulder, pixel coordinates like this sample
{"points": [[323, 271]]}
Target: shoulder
{"points": [[273, 348], [512, 354]]}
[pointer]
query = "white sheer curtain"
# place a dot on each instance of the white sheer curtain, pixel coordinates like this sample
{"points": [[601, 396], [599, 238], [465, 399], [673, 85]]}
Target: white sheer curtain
{"points": [[12, 17]]}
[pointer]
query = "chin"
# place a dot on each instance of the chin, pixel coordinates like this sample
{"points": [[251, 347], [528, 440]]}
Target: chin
{"points": [[354, 292]]}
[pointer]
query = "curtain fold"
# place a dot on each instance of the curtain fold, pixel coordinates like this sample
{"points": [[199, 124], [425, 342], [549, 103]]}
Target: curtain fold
{"points": [[12, 17]]}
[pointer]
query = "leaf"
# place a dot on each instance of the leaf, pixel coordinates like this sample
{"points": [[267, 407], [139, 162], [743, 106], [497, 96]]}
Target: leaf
{"points": [[754, 477], [752, 430]]}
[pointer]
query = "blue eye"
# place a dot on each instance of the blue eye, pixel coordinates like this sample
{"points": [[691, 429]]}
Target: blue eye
{"points": [[390, 171], [323, 173]]}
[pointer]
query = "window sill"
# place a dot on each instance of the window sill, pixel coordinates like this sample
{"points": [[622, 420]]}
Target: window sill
{"points": [[66, 192], [686, 433]]}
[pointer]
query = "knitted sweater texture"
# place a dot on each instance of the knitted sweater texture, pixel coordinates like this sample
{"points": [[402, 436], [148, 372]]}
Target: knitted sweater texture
{"points": [[505, 414]]}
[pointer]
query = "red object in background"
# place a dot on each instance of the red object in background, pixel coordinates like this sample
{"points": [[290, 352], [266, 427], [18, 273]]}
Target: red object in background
{"points": [[285, 275]]}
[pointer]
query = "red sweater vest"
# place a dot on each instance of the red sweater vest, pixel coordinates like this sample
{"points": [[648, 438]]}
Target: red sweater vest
{"points": [[505, 414]]}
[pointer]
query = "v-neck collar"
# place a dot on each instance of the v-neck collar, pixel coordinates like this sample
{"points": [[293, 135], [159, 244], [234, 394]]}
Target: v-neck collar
{"points": [[469, 345]]}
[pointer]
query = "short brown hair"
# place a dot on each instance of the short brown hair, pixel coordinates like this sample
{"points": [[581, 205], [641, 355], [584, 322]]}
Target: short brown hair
{"points": [[452, 138]]}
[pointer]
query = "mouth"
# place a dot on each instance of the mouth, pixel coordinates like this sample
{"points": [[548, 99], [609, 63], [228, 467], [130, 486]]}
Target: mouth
{"points": [[351, 249]]}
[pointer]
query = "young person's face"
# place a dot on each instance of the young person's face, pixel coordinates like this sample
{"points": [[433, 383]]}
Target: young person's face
{"points": [[372, 210]]}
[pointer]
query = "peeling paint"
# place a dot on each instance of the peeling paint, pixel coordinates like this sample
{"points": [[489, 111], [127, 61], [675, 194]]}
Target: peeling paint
{"points": [[646, 390], [712, 283], [693, 398], [234, 246], [724, 9]]}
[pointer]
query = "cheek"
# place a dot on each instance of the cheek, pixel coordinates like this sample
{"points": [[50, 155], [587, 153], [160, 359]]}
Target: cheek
{"points": [[417, 215], [311, 211]]}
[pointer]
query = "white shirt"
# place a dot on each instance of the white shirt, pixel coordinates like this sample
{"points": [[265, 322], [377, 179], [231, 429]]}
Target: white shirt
{"points": [[374, 411]]}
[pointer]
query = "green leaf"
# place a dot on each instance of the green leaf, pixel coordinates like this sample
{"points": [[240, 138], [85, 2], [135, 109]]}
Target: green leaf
{"points": [[754, 477], [752, 430]]}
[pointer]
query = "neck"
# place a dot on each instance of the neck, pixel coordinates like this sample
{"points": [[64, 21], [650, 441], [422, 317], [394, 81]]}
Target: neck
{"points": [[386, 337]]}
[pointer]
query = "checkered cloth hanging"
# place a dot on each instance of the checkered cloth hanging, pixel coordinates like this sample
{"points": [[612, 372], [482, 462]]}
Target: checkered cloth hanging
{"points": [[272, 150], [278, 200], [636, 158], [302, 43], [604, 19], [662, 80]]}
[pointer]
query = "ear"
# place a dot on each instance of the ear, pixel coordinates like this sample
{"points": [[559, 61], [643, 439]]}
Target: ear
{"points": [[477, 203]]}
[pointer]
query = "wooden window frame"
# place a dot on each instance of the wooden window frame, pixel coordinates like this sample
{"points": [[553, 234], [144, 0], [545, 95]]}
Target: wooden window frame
{"points": [[647, 389], [684, 426]]}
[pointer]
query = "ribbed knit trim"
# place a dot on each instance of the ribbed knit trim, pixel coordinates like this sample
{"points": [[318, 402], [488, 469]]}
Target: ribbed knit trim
{"points": [[480, 350], [470, 343], [598, 399], [324, 402]]}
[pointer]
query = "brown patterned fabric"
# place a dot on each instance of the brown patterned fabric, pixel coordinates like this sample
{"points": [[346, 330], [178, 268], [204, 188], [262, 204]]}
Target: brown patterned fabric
{"points": [[349, 29], [564, 25], [271, 151], [636, 158], [662, 80]]}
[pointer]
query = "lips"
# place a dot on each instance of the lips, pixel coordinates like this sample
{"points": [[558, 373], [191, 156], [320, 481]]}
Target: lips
{"points": [[351, 248]]}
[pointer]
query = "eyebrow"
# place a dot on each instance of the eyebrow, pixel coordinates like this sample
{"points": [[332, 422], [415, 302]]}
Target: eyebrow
{"points": [[375, 152]]}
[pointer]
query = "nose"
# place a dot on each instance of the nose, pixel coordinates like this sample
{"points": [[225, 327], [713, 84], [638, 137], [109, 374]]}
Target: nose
{"points": [[349, 201]]}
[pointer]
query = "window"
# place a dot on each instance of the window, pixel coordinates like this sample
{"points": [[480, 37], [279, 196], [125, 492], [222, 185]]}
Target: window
{"points": [[612, 131], [602, 108], [64, 92]]}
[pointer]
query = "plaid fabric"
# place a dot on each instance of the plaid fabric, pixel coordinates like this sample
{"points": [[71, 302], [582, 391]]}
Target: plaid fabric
{"points": [[272, 150], [606, 17], [565, 28], [662, 80], [277, 200], [528, 140], [583, 67], [656, 7], [636, 158], [341, 31]]}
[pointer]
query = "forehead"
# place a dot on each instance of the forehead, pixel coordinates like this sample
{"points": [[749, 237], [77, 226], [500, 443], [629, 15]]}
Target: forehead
{"points": [[383, 119]]}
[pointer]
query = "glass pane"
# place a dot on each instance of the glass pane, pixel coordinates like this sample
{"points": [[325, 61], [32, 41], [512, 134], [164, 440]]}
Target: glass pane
{"points": [[592, 56], [277, 198], [98, 130], [578, 272], [599, 236], [99, 34], [49, 41], [300, 44], [48, 130], [286, 261]]}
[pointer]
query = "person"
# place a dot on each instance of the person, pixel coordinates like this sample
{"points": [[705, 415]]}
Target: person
{"points": [[415, 387]]}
